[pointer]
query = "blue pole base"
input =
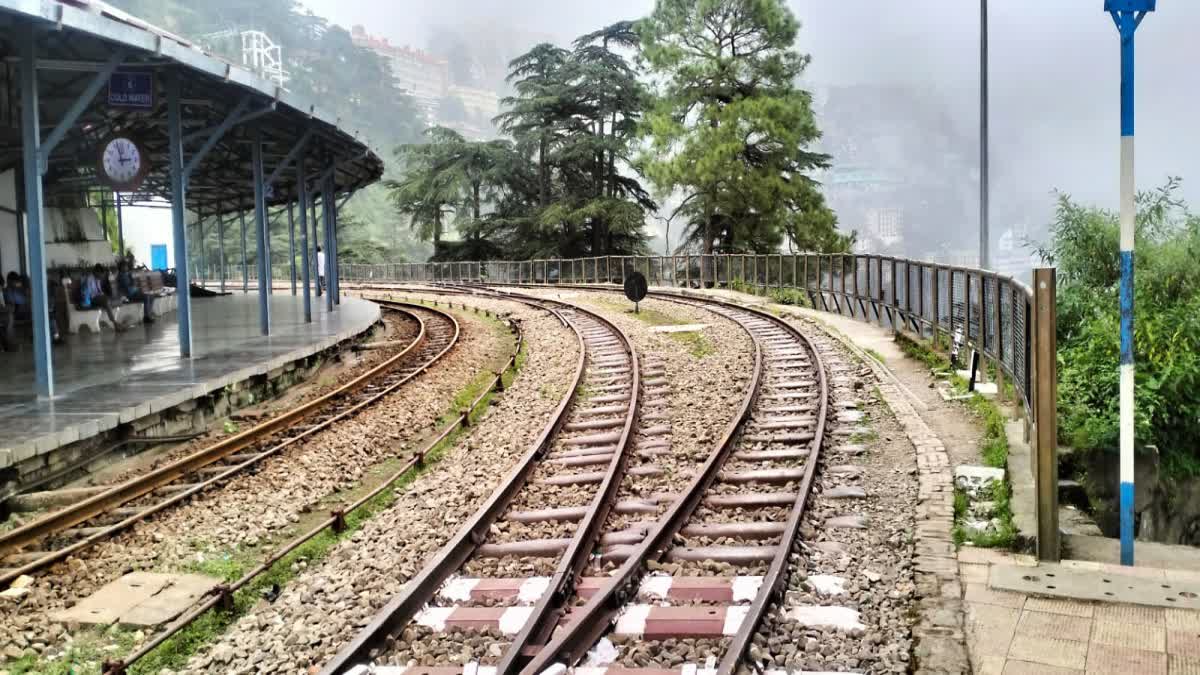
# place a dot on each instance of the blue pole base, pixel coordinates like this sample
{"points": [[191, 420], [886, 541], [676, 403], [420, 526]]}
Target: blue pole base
{"points": [[1127, 524]]}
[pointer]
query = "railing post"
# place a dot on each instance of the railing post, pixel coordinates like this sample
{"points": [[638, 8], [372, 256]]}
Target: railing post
{"points": [[687, 271], [934, 300], [1046, 415]]}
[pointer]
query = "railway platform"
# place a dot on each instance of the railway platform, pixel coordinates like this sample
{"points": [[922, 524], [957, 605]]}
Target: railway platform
{"points": [[106, 380]]}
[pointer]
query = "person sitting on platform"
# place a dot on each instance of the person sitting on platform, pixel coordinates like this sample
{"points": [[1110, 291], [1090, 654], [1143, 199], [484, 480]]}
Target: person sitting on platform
{"points": [[128, 287], [91, 294], [15, 305]]}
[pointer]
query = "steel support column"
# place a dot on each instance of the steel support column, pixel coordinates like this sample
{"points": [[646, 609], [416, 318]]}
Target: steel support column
{"points": [[224, 269], [245, 266], [327, 219], [31, 137], [260, 229], [302, 197], [292, 244], [178, 213], [120, 227], [203, 271]]}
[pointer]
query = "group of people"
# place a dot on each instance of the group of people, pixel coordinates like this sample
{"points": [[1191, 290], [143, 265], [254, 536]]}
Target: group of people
{"points": [[95, 292]]}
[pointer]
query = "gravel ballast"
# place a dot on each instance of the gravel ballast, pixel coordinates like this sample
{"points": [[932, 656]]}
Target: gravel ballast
{"points": [[254, 508], [325, 606]]}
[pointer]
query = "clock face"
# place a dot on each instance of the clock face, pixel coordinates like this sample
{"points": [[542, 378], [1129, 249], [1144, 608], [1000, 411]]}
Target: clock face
{"points": [[122, 161]]}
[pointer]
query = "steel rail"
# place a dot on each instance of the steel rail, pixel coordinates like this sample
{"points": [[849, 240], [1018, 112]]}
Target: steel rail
{"points": [[142, 485], [223, 595], [419, 590], [591, 621], [548, 610]]}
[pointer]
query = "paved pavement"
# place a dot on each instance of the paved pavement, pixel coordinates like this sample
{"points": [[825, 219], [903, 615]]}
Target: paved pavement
{"points": [[1013, 633], [108, 379]]}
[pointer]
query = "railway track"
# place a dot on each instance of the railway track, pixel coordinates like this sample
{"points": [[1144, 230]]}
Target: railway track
{"points": [[576, 464], [72, 529], [696, 568]]}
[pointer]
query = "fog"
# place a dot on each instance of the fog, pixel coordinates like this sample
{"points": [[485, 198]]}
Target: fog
{"points": [[1054, 84]]}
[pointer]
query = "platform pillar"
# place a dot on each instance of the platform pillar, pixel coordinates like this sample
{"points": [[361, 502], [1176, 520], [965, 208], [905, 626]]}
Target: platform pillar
{"points": [[178, 215], [327, 220], [260, 229], [224, 270], [302, 198], [292, 243], [31, 137]]}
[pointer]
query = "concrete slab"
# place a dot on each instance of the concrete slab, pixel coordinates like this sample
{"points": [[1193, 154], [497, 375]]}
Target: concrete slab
{"points": [[139, 599], [105, 379], [1095, 585]]}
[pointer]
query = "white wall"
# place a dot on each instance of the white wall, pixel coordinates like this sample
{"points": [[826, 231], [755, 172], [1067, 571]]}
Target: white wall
{"points": [[145, 227]]}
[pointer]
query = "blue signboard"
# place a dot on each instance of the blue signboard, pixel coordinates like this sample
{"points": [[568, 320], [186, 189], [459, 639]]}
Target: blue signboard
{"points": [[131, 89]]}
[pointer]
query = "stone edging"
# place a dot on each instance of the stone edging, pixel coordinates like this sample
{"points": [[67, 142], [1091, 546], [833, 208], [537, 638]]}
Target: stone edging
{"points": [[940, 646]]}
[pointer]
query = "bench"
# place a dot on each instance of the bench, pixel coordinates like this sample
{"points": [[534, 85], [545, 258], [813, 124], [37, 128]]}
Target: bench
{"points": [[126, 313]]}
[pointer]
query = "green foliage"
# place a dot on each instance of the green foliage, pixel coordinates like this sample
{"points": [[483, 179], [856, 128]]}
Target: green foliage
{"points": [[730, 129], [328, 69], [789, 296], [1084, 248]]}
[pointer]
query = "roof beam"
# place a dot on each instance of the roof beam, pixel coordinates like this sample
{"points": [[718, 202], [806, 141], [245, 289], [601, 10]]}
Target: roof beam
{"points": [[248, 117], [215, 137], [77, 108], [291, 157]]}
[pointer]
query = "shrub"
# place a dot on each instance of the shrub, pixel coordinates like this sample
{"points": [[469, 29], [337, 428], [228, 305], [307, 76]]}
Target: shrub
{"points": [[1084, 247]]}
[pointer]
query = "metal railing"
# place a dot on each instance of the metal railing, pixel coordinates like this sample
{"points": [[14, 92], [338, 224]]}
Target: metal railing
{"points": [[991, 312]]}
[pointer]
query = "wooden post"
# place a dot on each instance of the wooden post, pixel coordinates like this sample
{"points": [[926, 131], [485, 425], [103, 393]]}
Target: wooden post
{"points": [[1046, 415], [687, 271]]}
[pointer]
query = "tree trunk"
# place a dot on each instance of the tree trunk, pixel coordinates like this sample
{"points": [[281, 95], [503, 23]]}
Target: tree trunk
{"points": [[543, 174]]}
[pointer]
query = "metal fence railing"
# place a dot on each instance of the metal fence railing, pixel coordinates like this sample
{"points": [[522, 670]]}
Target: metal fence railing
{"points": [[992, 312]]}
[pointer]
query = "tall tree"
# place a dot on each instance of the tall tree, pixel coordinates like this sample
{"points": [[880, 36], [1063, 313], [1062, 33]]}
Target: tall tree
{"points": [[431, 185], [540, 104], [730, 129]]}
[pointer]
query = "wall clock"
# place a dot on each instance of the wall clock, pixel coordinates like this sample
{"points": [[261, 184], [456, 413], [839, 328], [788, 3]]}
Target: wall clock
{"points": [[123, 163]]}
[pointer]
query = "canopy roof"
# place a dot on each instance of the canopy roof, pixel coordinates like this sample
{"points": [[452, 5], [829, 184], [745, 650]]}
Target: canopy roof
{"points": [[76, 40]]}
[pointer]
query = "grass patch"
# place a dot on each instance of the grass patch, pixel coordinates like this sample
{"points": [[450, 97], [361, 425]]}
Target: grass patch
{"points": [[864, 437], [789, 296], [1004, 536], [175, 652], [86, 654], [873, 354], [928, 353], [697, 345]]}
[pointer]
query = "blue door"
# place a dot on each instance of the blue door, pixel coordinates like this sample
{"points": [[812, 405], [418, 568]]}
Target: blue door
{"points": [[158, 256]]}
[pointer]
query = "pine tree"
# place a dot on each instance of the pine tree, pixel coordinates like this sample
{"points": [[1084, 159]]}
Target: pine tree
{"points": [[730, 128]]}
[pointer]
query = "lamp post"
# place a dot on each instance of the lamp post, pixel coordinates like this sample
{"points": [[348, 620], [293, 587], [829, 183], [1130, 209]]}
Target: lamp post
{"points": [[984, 225], [1127, 15]]}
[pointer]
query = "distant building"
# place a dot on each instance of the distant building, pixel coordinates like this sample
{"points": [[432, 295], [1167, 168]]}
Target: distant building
{"points": [[481, 104], [423, 76]]}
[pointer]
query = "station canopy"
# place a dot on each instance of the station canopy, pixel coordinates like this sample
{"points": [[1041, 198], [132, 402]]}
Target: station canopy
{"points": [[79, 39]]}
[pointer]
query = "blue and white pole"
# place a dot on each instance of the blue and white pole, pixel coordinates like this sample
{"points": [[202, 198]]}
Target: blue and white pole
{"points": [[1127, 14]]}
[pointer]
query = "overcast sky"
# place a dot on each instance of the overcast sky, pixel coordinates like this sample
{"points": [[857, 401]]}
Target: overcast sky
{"points": [[1054, 72]]}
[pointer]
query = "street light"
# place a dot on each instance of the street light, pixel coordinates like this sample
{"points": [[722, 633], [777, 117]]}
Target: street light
{"points": [[1127, 14], [984, 226]]}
